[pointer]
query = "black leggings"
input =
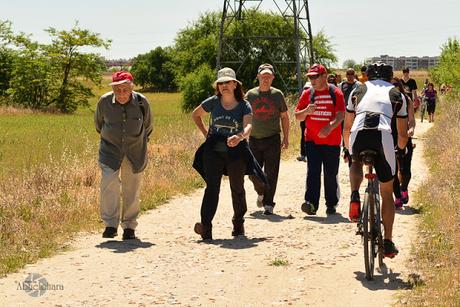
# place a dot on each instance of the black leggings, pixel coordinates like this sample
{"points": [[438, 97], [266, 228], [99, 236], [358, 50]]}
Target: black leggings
{"points": [[396, 183], [405, 166]]}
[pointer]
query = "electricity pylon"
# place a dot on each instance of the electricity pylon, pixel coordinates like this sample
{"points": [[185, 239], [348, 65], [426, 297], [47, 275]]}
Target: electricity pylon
{"points": [[296, 15]]}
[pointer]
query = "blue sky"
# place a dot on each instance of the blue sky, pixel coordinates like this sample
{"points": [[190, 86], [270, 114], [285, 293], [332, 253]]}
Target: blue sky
{"points": [[357, 28]]}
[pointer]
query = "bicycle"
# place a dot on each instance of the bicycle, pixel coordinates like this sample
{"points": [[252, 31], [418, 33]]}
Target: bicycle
{"points": [[423, 108], [370, 223]]}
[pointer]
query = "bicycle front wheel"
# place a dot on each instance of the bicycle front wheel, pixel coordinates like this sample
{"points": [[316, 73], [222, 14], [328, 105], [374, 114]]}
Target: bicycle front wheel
{"points": [[368, 235]]}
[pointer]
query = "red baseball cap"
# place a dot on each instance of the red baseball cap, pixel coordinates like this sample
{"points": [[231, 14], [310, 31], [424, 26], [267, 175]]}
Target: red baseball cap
{"points": [[316, 69], [120, 77]]}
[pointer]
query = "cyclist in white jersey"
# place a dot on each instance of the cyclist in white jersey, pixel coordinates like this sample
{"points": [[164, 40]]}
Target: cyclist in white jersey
{"points": [[370, 108]]}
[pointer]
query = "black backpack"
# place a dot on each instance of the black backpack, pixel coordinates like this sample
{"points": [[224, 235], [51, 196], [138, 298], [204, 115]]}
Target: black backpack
{"points": [[141, 104]]}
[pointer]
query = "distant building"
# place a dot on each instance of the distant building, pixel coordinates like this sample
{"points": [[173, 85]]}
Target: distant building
{"points": [[412, 62], [119, 64]]}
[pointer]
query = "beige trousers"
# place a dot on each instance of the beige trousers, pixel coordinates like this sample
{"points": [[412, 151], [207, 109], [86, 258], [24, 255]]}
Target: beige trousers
{"points": [[124, 185]]}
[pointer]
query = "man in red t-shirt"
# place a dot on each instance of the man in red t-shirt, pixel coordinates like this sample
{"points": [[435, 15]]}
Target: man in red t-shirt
{"points": [[323, 136]]}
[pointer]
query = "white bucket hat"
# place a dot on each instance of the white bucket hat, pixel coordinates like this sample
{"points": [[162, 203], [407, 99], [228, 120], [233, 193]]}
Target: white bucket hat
{"points": [[224, 75]]}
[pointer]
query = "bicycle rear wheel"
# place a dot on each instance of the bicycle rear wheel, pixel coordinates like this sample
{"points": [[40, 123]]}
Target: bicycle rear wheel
{"points": [[368, 240]]}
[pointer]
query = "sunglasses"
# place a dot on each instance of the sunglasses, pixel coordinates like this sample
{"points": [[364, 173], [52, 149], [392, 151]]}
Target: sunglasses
{"points": [[226, 82], [350, 74], [314, 77]]}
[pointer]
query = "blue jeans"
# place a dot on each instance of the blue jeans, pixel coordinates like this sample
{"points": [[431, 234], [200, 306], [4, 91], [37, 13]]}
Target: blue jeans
{"points": [[328, 157]]}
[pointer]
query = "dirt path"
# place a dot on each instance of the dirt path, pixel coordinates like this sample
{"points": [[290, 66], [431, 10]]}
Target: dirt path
{"points": [[170, 266]]}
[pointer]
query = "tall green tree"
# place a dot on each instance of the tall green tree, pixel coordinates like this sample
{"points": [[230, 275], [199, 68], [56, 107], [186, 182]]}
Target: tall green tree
{"points": [[32, 80], [448, 69], [58, 74], [194, 57], [6, 56], [324, 49], [198, 44], [154, 70], [72, 67]]}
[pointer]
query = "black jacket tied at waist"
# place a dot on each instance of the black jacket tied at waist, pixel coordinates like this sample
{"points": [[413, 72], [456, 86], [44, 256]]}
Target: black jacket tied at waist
{"points": [[240, 151]]}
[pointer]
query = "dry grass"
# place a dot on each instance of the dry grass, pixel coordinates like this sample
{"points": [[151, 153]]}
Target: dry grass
{"points": [[437, 251], [41, 207], [9, 110]]}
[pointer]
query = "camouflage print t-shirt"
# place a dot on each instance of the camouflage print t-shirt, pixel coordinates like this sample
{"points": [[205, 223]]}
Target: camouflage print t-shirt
{"points": [[267, 107], [225, 122]]}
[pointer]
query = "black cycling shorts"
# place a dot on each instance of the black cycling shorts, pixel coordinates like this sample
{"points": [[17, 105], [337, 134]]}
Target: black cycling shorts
{"points": [[382, 143]]}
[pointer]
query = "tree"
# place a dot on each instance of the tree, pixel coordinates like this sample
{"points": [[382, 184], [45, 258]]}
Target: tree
{"points": [[57, 74], [197, 86], [71, 67], [448, 69], [6, 56], [31, 77], [198, 44], [154, 70], [323, 49], [350, 63]]}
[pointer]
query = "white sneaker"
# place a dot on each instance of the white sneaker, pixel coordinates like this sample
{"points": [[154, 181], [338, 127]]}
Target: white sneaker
{"points": [[260, 199], [268, 210]]}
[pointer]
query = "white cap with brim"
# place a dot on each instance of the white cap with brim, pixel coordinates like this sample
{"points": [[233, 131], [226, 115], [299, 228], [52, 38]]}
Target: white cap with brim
{"points": [[266, 71], [224, 75], [120, 82]]}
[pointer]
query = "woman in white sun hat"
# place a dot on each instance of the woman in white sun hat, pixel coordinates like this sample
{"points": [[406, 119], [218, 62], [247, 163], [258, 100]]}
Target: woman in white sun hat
{"points": [[225, 151]]}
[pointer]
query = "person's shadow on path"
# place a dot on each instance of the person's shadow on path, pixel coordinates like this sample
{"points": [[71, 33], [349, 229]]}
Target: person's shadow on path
{"points": [[271, 217], [126, 246], [330, 219], [388, 280], [408, 210], [239, 242]]}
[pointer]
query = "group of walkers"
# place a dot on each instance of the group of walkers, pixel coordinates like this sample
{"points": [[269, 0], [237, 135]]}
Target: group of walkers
{"points": [[247, 132]]}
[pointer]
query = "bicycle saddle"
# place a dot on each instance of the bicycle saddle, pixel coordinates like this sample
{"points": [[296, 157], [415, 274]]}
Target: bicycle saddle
{"points": [[368, 156]]}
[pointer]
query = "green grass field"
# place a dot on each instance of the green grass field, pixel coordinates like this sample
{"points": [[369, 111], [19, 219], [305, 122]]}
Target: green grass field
{"points": [[27, 140]]}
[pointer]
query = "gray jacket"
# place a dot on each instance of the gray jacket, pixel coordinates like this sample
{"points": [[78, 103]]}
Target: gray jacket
{"points": [[124, 130]]}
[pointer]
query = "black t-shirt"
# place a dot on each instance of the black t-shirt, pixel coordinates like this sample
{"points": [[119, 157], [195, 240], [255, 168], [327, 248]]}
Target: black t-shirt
{"points": [[394, 128], [409, 86], [346, 89]]}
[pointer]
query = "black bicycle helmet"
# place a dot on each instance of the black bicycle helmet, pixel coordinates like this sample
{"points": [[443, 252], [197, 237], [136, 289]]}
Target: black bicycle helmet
{"points": [[380, 71]]}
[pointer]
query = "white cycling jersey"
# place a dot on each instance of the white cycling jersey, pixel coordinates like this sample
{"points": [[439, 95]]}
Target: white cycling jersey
{"points": [[373, 103]]}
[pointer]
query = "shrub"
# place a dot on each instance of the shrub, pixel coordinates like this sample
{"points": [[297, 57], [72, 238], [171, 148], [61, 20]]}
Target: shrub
{"points": [[196, 87]]}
